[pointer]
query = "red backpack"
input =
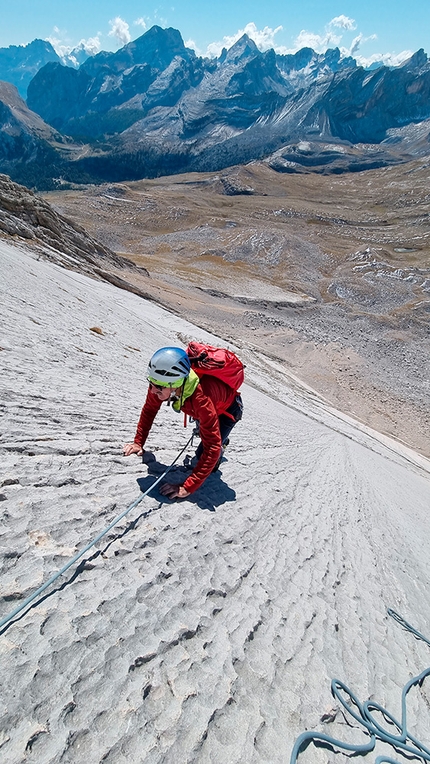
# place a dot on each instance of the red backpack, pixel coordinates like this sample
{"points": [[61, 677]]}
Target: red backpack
{"points": [[219, 362]]}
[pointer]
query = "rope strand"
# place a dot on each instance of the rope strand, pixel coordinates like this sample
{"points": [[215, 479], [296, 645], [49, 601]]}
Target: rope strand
{"points": [[80, 554], [364, 716]]}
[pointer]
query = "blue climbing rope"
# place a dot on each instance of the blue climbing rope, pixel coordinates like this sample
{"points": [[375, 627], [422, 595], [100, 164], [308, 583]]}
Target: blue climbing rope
{"points": [[403, 742], [80, 554]]}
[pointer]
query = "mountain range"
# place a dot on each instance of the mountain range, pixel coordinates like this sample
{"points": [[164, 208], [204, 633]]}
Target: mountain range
{"points": [[154, 108], [19, 63]]}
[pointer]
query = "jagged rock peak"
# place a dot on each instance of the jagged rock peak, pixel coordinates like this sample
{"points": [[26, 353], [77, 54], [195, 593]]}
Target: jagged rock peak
{"points": [[298, 60], [243, 48], [157, 37], [34, 47], [19, 63], [417, 61], [157, 47], [332, 55]]}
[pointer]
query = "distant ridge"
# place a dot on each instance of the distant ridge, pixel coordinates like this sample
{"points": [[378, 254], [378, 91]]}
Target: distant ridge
{"points": [[155, 108], [20, 63]]}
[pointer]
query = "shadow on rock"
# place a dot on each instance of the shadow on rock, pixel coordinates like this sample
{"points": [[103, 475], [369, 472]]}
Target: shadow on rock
{"points": [[212, 494]]}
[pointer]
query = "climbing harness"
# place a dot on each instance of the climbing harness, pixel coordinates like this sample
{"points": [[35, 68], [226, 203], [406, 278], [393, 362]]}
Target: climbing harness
{"points": [[80, 554], [363, 715]]}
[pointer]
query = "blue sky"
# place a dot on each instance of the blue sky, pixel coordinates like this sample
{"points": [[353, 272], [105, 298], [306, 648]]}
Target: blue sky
{"points": [[368, 29]]}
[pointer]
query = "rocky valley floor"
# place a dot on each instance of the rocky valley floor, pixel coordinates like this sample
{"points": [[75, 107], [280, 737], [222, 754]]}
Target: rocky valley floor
{"points": [[329, 275]]}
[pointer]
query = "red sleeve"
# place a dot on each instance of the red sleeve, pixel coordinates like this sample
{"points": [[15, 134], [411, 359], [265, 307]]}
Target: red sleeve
{"points": [[150, 408], [200, 407]]}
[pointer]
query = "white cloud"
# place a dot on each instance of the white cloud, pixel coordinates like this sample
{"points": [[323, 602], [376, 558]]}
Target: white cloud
{"points": [[214, 49], [191, 44], [140, 23], [356, 45], [344, 22], [331, 38], [389, 59], [90, 46], [263, 38], [60, 41], [319, 43], [59, 47], [120, 29]]}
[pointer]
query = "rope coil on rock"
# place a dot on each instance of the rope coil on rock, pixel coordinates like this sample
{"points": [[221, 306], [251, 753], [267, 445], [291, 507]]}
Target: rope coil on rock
{"points": [[403, 742], [80, 554]]}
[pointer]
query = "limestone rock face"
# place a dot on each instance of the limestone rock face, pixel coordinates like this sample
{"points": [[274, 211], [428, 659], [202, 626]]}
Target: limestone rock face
{"points": [[207, 629], [57, 91], [361, 106], [64, 97], [27, 216], [29, 148]]}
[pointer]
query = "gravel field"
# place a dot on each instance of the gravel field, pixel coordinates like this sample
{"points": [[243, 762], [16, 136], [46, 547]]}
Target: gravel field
{"points": [[329, 275]]}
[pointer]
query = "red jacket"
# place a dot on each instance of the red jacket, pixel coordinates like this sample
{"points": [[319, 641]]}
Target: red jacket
{"points": [[211, 398]]}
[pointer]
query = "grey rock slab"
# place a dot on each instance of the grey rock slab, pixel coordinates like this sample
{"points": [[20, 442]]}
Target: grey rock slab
{"points": [[204, 630]]}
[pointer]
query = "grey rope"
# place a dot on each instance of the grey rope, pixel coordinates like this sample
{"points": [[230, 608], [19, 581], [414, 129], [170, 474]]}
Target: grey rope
{"points": [[365, 718], [80, 554]]}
